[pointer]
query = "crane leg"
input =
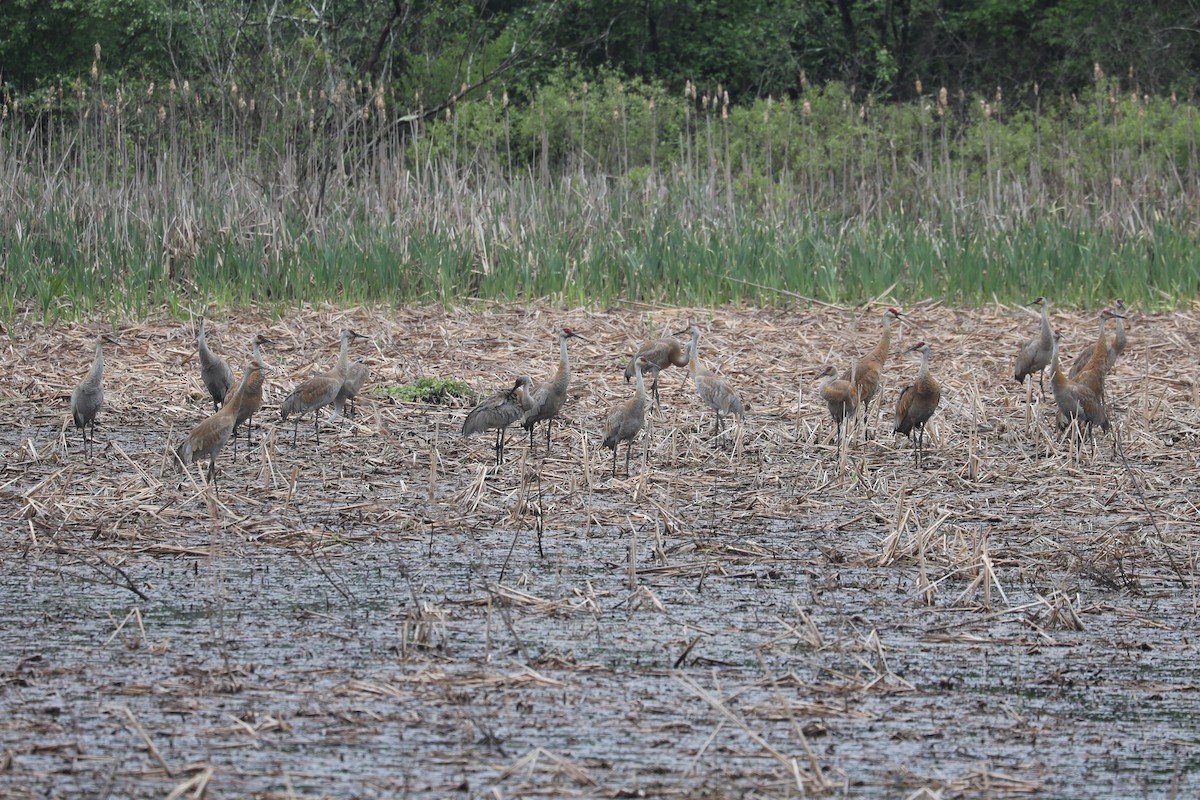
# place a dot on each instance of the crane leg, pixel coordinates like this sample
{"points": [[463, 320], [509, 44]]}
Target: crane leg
{"points": [[614, 469], [295, 431], [549, 425], [654, 391], [317, 425], [628, 451], [1042, 382], [866, 417], [920, 445]]}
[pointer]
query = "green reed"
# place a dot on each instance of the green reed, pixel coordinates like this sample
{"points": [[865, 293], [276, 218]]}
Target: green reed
{"points": [[123, 201]]}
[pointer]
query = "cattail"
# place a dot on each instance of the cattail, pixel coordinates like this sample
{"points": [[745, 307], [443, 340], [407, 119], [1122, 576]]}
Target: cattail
{"points": [[803, 81], [806, 109], [96, 50], [504, 99], [150, 90], [943, 97], [171, 86], [95, 72], [651, 103], [187, 87], [1097, 73], [162, 114], [585, 88], [491, 100], [920, 88], [379, 99], [233, 90]]}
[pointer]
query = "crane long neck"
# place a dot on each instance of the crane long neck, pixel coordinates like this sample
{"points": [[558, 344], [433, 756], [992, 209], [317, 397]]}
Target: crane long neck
{"points": [[202, 340], [885, 341], [641, 381], [254, 349], [693, 360], [97, 362], [344, 354], [1047, 334], [923, 372]]}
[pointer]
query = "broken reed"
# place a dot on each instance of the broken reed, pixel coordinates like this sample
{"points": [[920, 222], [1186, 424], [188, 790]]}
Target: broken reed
{"points": [[119, 200]]}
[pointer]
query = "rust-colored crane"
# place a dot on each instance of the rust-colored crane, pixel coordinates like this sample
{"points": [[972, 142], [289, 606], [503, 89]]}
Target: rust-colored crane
{"points": [[319, 391], [248, 397], [917, 402], [866, 372], [841, 398], [1114, 349], [1035, 355], [662, 353], [500, 410], [88, 396], [549, 398], [1076, 401], [214, 372], [714, 390], [625, 422], [1096, 369], [210, 436]]}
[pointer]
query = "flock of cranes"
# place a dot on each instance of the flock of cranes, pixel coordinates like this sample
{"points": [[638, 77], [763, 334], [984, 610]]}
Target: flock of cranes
{"points": [[1079, 394]]}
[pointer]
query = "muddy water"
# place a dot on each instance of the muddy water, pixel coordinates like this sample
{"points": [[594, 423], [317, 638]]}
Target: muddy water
{"points": [[373, 618], [373, 642]]}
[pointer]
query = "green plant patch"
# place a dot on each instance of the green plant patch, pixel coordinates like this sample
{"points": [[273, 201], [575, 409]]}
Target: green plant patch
{"points": [[440, 391]]}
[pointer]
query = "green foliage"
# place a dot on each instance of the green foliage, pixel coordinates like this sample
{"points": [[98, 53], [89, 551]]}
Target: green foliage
{"points": [[150, 196], [427, 390]]}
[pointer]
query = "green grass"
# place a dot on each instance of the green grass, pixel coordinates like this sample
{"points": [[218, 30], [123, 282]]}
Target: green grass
{"points": [[437, 391], [207, 203]]}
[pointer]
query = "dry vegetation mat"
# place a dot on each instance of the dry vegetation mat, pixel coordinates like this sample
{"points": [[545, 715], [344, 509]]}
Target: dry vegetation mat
{"points": [[388, 614]]}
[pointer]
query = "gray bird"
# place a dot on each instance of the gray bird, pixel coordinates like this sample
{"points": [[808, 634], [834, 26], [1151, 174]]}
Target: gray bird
{"points": [[89, 395]]}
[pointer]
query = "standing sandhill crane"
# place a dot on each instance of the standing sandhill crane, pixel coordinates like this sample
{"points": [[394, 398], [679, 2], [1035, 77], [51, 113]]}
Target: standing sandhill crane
{"points": [[248, 397], [356, 376], [499, 411], [917, 402], [840, 397], [318, 392], [88, 396], [549, 398], [626, 420], [1113, 350], [865, 372], [714, 390], [1093, 372], [210, 436], [661, 353], [213, 370], [1035, 355], [1076, 401]]}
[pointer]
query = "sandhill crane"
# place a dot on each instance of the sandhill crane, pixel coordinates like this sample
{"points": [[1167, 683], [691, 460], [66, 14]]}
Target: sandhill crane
{"points": [[210, 436], [917, 402], [1093, 372], [626, 420], [356, 375], [1112, 351], [661, 353], [714, 390], [1035, 355], [213, 370], [249, 397], [499, 411], [549, 398], [1076, 401], [840, 397], [318, 392], [88, 396], [865, 372]]}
